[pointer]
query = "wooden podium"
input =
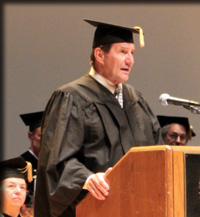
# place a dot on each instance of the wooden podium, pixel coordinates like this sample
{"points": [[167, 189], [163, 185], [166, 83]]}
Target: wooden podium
{"points": [[149, 181]]}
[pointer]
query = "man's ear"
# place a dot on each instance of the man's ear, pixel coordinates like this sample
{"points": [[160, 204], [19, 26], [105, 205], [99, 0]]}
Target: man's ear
{"points": [[99, 54], [30, 135]]}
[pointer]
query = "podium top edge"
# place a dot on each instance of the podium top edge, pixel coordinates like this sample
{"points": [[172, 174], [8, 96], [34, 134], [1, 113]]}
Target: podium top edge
{"points": [[166, 147]]}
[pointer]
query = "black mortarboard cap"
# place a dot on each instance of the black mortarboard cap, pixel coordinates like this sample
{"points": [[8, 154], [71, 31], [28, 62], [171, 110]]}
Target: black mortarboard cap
{"points": [[16, 168], [33, 120], [109, 33], [166, 120]]}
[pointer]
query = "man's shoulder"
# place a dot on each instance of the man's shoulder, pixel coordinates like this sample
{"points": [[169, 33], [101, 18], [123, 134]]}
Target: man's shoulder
{"points": [[66, 90], [81, 90], [74, 85], [27, 155]]}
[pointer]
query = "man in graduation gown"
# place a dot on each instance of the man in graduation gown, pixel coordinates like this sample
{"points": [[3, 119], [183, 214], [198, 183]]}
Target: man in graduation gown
{"points": [[33, 121], [175, 130], [86, 130]]}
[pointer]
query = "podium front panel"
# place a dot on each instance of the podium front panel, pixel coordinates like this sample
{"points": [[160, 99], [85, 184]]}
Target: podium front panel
{"points": [[192, 185], [147, 182]]}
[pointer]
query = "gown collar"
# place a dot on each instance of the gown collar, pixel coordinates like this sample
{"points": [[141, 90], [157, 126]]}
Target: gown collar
{"points": [[106, 83]]}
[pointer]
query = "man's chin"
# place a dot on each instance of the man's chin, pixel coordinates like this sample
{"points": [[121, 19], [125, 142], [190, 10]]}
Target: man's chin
{"points": [[125, 78]]}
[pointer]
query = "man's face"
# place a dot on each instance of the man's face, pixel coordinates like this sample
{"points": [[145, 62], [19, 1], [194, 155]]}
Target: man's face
{"points": [[176, 135], [118, 62], [13, 193], [35, 140]]}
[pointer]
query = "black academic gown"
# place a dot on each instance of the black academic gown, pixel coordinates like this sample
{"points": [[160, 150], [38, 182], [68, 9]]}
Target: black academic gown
{"points": [[28, 156], [86, 131]]}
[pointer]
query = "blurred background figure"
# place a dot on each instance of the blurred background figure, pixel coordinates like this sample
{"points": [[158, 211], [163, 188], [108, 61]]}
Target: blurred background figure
{"points": [[175, 130], [13, 175], [33, 120]]}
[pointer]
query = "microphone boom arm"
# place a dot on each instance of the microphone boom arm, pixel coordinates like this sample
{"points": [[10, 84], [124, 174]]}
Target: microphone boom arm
{"points": [[192, 108], [183, 102]]}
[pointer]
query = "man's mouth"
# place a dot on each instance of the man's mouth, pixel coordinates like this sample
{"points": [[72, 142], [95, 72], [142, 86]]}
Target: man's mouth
{"points": [[17, 198], [125, 69]]}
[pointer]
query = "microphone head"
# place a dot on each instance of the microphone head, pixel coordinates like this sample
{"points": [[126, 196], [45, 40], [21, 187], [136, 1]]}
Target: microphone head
{"points": [[163, 99]]}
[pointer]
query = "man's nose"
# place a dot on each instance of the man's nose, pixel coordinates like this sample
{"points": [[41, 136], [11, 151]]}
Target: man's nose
{"points": [[178, 139], [129, 60], [18, 190]]}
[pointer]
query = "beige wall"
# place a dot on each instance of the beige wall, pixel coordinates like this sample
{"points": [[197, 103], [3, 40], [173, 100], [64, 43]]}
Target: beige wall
{"points": [[47, 45]]}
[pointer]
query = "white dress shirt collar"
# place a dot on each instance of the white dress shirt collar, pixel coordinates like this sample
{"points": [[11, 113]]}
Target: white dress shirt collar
{"points": [[106, 83]]}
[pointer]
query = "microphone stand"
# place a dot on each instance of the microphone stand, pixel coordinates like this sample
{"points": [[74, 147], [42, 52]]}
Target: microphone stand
{"points": [[192, 108]]}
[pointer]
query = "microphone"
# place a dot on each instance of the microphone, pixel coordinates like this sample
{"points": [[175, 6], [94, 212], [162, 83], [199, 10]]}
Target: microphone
{"points": [[165, 99]]}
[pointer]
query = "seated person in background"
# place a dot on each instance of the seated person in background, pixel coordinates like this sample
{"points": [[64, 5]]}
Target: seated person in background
{"points": [[13, 187], [33, 120], [175, 130]]}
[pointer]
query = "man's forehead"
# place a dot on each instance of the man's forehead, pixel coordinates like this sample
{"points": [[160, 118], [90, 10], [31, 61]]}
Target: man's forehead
{"points": [[178, 128], [124, 45], [14, 180]]}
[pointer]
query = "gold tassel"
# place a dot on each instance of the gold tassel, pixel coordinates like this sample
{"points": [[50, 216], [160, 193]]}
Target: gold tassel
{"points": [[141, 35], [190, 132], [28, 170]]}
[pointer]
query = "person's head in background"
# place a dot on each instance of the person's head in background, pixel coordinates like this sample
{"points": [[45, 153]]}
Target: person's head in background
{"points": [[13, 175], [175, 130], [33, 120]]}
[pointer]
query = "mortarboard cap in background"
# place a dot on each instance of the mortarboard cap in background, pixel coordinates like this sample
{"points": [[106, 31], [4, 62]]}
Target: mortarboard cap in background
{"points": [[166, 120], [16, 168], [108, 33], [33, 120]]}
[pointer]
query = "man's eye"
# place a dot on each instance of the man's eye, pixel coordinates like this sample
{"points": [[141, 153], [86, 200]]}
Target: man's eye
{"points": [[183, 137], [173, 136], [23, 187]]}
